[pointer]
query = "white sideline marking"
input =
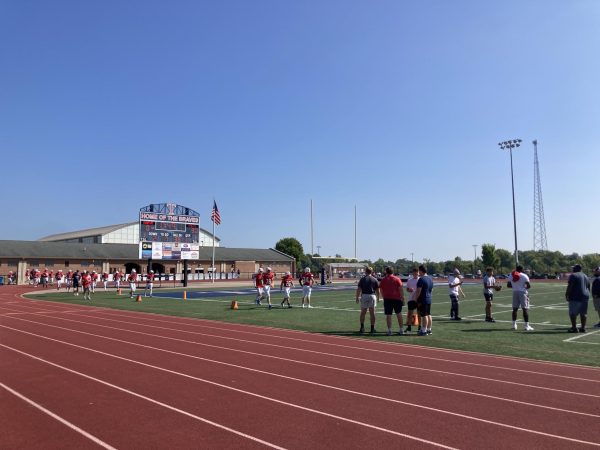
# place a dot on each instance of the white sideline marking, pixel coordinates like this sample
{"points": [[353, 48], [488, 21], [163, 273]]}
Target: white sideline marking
{"points": [[281, 402], [60, 419], [581, 335]]}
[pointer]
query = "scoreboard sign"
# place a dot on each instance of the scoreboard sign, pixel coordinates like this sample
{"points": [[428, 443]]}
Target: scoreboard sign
{"points": [[169, 250], [169, 223]]}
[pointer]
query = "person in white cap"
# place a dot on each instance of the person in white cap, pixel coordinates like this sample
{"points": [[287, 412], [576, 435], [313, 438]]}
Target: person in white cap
{"points": [[132, 279], [307, 280], [149, 283], [260, 287], [287, 283], [268, 282], [454, 291]]}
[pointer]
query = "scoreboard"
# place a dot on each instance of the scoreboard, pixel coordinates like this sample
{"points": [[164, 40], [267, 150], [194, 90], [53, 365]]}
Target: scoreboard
{"points": [[169, 223], [158, 231]]}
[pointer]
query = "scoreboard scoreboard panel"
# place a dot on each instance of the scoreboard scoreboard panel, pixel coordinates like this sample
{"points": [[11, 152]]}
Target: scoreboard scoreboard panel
{"points": [[159, 231]]}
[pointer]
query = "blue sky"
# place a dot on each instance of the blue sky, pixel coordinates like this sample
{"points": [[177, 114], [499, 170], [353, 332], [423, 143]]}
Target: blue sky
{"points": [[393, 106]]}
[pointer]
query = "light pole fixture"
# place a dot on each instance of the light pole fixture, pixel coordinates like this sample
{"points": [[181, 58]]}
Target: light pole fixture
{"points": [[412, 259], [510, 145]]}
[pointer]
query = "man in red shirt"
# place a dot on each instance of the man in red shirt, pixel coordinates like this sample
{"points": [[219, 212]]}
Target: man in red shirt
{"points": [[268, 282], [86, 282], [260, 287], [149, 283], [287, 283], [393, 298], [307, 280]]}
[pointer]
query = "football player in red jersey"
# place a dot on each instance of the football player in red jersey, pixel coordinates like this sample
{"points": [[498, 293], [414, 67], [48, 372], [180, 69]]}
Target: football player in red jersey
{"points": [[94, 281], [260, 287], [45, 278], [69, 280], [50, 279], [149, 283], [307, 281], [104, 279], [132, 279], [59, 279], [287, 283], [86, 283], [268, 282], [117, 279]]}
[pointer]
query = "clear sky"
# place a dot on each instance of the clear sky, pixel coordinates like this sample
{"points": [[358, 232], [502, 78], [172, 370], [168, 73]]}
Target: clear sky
{"points": [[393, 106]]}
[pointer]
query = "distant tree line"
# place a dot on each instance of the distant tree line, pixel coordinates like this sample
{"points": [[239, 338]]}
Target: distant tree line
{"points": [[501, 260]]}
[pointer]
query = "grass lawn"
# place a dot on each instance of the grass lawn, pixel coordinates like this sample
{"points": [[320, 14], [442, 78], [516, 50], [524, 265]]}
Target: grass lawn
{"points": [[335, 312]]}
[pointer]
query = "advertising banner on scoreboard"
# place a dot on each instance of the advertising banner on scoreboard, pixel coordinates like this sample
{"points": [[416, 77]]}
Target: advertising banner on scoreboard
{"points": [[169, 251]]}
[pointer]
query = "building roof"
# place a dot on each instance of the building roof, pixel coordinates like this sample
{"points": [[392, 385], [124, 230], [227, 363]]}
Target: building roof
{"points": [[64, 250], [97, 232]]}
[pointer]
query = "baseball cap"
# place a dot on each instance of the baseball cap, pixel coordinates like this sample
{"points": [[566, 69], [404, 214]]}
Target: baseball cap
{"points": [[456, 272], [577, 268], [597, 269]]}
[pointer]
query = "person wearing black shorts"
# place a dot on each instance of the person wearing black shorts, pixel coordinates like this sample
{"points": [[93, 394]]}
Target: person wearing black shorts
{"points": [[393, 298], [489, 282], [424, 288]]}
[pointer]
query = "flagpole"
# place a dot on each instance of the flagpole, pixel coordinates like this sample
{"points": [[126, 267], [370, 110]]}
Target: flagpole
{"points": [[213, 252]]}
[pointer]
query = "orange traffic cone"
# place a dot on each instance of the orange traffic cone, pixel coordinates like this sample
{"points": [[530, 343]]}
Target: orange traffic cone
{"points": [[138, 298], [234, 305], [185, 295], [415, 319]]}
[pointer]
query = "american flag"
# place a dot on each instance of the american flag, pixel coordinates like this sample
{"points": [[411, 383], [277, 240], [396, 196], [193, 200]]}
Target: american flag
{"points": [[215, 216]]}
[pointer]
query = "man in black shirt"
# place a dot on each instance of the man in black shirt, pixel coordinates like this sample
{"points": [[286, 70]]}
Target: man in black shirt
{"points": [[367, 293]]}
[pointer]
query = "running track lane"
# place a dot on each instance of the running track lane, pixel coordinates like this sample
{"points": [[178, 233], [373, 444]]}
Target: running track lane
{"points": [[253, 330], [507, 412]]}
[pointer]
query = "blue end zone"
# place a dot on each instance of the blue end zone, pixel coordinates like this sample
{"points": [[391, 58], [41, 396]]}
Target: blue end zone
{"points": [[193, 294]]}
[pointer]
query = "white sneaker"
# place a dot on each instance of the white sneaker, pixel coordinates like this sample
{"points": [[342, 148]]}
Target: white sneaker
{"points": [[514, 326], [303, 306], [528, 328], [310, 306]]}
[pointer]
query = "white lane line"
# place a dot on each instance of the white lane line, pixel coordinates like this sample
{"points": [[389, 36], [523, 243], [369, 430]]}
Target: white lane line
{"points": [[287, 377], [57, 417], [281, 402], [394, 354]]}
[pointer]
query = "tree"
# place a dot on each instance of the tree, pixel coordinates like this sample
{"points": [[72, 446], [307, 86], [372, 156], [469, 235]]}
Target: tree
{"points": [[489, 257], [290, 246], [506, 260]]}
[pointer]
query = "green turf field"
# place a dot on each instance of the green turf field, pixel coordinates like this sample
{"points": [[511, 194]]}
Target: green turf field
{"points": [[335, 312]]}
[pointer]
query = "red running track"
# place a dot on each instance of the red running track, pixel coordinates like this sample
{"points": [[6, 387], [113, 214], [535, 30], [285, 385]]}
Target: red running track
{"points": [[82, 377]]}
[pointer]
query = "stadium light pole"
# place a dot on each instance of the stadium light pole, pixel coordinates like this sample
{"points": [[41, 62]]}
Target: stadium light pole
{"points": [[319, 250], [474, 255], [510, 145]]}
